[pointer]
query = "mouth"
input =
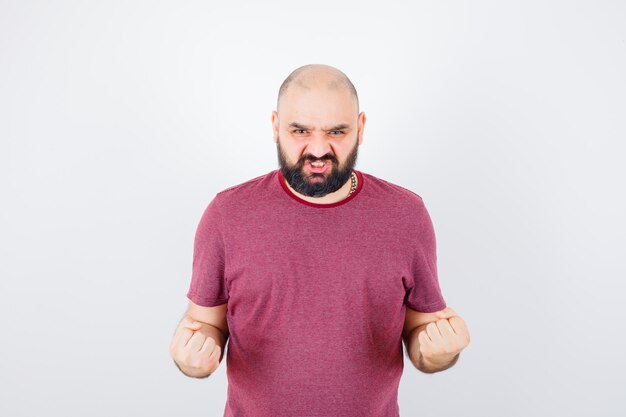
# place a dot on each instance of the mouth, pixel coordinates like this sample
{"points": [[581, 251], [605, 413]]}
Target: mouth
{"points": [[317, 167]]}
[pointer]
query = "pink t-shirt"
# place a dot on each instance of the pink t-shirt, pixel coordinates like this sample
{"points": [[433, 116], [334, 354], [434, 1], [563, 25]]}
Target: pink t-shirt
{"points": [[316, 294]]}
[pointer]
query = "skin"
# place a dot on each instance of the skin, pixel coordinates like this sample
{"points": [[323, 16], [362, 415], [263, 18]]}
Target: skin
{"points": [[318, 99], [197, 346], [437, 344]]}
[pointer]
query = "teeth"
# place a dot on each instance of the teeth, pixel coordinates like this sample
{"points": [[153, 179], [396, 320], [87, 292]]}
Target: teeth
{"points": [[318, 164]]}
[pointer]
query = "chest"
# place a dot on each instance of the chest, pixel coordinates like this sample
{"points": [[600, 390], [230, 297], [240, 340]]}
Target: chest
{"points": [[317, 269]]}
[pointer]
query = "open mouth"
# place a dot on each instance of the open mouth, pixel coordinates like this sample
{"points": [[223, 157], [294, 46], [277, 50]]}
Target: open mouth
{"points": [[318, 166]]}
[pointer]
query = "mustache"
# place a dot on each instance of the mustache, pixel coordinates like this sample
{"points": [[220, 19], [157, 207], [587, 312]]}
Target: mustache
{"points": [[313, 159]]}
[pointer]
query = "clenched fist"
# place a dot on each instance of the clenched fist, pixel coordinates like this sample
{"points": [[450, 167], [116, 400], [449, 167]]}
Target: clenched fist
{"points": [[195, 347], [442, 340]]}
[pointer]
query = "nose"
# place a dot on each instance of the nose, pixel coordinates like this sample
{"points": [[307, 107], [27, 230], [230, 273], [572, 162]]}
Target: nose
{"points": [[319, 146]]}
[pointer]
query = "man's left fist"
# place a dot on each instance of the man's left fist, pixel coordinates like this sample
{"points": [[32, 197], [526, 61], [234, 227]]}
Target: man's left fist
{"points": [[440, 341]]}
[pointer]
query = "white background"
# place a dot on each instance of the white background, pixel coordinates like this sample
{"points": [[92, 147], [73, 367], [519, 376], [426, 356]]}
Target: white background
{"points": [[119, 121]]}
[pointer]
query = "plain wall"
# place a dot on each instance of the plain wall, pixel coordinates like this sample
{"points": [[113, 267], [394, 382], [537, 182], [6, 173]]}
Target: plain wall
{"points": [[120, 120]]}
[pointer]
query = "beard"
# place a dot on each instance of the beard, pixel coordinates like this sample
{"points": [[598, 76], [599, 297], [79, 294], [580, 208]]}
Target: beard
{"points": [[317, 184]]}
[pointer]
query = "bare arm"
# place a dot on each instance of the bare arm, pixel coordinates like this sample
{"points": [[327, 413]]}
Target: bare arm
{"points": [[434, 340], [412, 343], [197, 347]]}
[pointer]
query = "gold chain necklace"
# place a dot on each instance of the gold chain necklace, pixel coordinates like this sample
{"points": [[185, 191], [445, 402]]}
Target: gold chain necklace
{"points": [[353, 185]]}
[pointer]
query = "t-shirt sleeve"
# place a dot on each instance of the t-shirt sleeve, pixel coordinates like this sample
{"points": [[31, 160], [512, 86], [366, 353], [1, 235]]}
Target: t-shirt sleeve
{"points": [[208, 284], [423, 292]]}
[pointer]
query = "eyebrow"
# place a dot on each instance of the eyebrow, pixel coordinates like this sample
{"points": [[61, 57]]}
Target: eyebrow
{"points": [[303, 127]]}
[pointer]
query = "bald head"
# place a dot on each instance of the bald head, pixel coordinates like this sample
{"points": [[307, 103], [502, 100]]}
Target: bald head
{"points": [[316, 76]]}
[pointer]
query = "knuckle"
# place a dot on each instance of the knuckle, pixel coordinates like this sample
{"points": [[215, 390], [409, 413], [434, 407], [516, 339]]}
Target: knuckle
{"points": [[208, 365]]}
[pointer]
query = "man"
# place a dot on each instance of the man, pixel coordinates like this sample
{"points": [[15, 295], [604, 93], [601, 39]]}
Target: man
{"points": [[315, 273]]}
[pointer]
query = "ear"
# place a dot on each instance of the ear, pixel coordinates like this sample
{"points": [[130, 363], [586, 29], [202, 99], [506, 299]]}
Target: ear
{"points": [[275, 125], [361, 124]]}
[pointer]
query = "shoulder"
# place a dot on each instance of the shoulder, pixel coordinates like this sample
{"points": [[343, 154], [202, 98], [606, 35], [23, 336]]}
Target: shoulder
{"points": [[245, 192], [398, 194], [243, 186], [403, 207]]}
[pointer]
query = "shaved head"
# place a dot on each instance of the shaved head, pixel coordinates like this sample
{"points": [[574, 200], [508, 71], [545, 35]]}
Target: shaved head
{"points": [[317, 121], [312, 76]]}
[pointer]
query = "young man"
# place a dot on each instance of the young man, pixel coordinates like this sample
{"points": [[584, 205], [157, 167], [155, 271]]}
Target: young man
{"points": [[315, 273]]}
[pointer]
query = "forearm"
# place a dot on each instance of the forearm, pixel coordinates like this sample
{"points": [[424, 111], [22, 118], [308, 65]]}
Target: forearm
{"points": [[417, 359]]}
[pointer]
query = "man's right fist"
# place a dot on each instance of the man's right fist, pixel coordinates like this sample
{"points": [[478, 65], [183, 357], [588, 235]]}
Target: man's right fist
{"points": [[195, 349]]}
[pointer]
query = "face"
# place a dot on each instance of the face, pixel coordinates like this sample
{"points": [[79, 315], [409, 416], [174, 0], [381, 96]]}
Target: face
{"points": [[302, 177], [317, 125]]}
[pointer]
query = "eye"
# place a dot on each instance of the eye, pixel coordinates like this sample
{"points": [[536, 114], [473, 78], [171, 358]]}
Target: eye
{"points": [[340, 132], [298, 131]]}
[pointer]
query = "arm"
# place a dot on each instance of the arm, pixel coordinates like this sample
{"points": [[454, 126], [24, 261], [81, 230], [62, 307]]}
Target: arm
{"points": [[434, 340], [199, 341], [213, 320]]}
